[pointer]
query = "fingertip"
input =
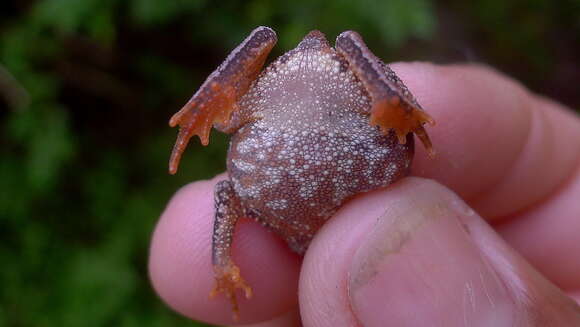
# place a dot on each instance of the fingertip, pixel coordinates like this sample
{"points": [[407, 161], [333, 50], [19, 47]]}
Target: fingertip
{"points": [[482, 123], [499, 146], [180, 262], [324, 291], [288, 319], [414, 253]]}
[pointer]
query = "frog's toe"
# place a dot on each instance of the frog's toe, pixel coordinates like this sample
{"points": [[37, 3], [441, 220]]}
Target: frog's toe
{"points": [[228, 280], [403, 118]]}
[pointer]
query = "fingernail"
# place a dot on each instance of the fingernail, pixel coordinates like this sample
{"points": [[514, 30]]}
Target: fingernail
{"points": [[419, 265]]}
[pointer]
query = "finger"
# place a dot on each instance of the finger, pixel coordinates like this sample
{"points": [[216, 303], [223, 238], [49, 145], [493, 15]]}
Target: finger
{"points": [[180, 262], [415, 254], [289, 319], [511, 155], [576, 296], [499, 147], [548, 235]]}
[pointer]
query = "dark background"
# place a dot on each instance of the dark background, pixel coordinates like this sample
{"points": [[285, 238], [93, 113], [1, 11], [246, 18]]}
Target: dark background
{"points": [[86, 91]]}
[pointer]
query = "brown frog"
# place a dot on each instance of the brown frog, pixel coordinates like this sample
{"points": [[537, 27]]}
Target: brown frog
{"points": [[314, 128]]}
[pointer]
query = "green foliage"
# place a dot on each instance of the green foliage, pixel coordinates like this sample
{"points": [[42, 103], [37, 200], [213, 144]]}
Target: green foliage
{"points": [[88, 87], [149, 12]]}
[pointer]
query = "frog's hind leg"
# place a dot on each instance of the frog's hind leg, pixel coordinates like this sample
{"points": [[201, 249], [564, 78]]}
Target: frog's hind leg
{"points": [[393, 105], [227, 273], [216, 99]]}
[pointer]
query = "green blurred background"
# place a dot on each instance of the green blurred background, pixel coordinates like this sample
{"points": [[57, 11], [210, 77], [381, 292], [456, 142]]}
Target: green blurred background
{"points": [[86, 90]]}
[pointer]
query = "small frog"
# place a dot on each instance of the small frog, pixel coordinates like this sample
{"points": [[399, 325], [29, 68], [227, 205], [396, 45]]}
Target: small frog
{"points": [[314, 128]]}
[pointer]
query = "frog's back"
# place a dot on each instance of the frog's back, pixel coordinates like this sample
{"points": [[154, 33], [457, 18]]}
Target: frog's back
{"points": [[311, 145]]}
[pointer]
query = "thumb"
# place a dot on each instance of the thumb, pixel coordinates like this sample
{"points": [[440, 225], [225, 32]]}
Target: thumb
{"points": [[417, 255]]}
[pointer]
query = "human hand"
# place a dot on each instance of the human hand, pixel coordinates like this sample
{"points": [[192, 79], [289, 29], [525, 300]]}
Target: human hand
{"points": [[416, 253]]}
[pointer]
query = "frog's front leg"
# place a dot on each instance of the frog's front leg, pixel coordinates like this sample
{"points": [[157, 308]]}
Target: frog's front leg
{"points": [[216, 99], [227, 273], [393, 106]]}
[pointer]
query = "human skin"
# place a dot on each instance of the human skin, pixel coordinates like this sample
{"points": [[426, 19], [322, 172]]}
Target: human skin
{"points": [[421, 250]]}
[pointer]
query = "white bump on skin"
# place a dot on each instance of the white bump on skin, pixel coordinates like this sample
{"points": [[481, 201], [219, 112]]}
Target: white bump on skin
{"points": [[245, 166], [277, 204]]}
